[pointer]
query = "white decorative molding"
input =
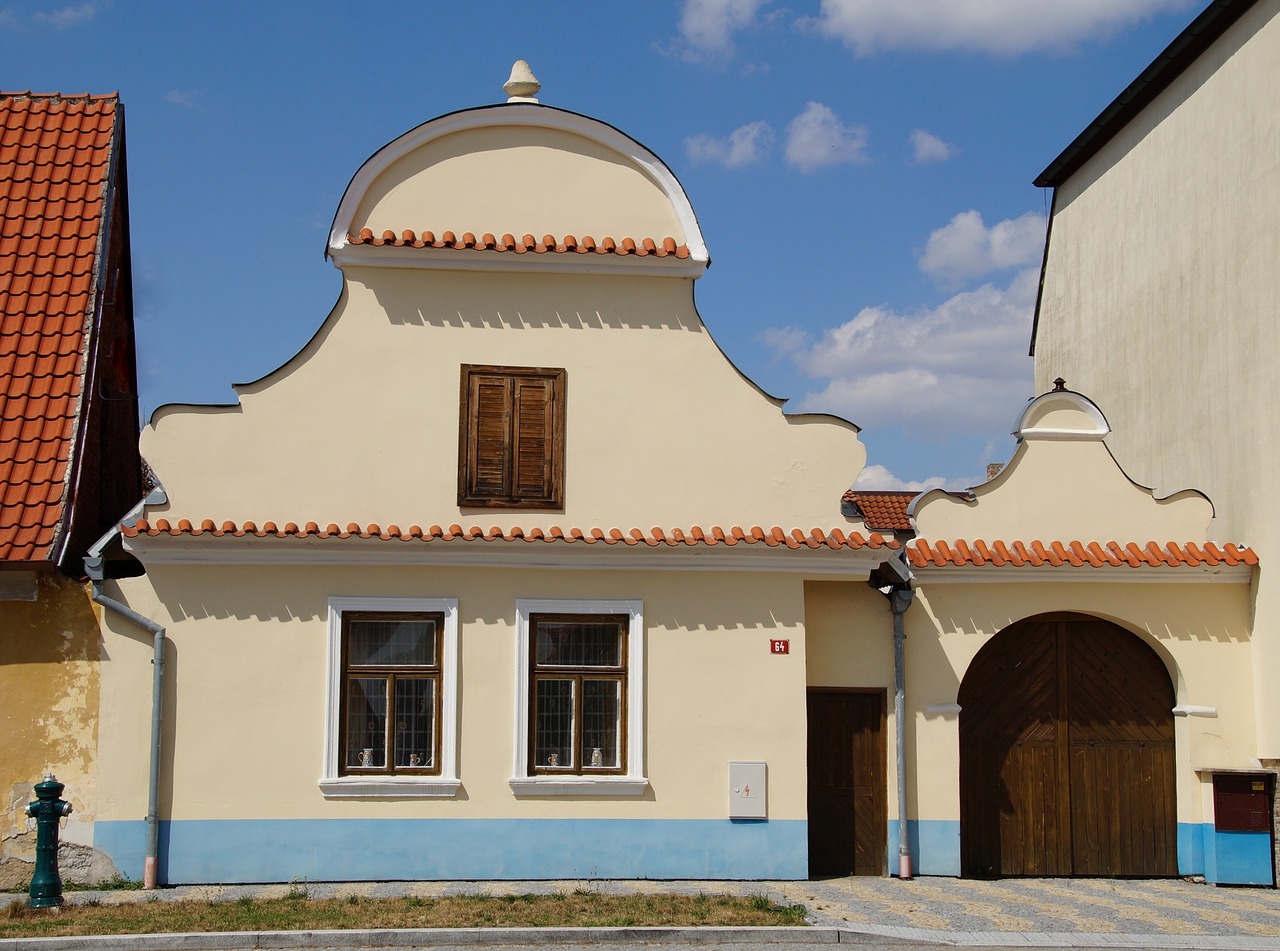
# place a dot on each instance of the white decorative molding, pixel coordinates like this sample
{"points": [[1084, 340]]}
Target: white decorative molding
{"points": [[209, 549], [634, 782], [568, 262], [331, 784], [1098, 429], [1086, 574], [942, 710], [1192, 710]]}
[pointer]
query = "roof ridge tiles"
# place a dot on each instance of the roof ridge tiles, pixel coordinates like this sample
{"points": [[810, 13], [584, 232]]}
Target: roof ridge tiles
{"points": [[625, 246]]}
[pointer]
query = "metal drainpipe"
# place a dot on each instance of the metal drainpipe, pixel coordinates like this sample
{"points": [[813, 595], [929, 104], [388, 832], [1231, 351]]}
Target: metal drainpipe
{"points": [[94, 568], [899, 600]]}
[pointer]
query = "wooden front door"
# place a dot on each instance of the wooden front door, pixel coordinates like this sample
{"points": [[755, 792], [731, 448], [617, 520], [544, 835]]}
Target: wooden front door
{"points": [[847, 799], [1067, 753]]}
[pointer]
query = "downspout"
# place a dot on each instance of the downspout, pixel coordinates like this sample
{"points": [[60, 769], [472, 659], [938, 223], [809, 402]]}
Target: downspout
{"points": [[94, 568], [900, 597]]}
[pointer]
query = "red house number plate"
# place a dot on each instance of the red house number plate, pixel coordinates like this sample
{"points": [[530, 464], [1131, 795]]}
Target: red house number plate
{"points": [[779, 647]]}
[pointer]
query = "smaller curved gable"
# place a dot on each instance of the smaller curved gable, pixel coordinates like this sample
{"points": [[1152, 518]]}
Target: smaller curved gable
{"points": [[1063, 483], [519, 169]]}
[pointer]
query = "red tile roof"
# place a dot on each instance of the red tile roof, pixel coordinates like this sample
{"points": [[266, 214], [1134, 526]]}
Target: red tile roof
{"points": [[923, 553], [882, 510], [55, 157], [772, 537], [667, 247]]}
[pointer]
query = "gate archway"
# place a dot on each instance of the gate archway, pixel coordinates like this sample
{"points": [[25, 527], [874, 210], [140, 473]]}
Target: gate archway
{"points": [[1067, 753]]}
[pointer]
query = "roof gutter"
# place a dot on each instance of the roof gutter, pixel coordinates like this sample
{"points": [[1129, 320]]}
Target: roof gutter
{"points": [[94, 568]]}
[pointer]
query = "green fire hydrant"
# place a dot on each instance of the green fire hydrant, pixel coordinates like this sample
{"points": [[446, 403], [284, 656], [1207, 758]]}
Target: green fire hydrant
{"points": [[48, 808]]}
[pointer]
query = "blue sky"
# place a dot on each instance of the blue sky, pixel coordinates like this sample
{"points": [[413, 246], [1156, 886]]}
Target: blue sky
{"points": [[861, 170]]}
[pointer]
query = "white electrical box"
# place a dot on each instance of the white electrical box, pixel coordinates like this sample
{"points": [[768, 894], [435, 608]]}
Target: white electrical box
{"points": [[747, 790]]}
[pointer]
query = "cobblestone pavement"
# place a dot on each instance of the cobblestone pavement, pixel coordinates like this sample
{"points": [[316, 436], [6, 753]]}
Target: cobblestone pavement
{"points": [[1017, 911]]}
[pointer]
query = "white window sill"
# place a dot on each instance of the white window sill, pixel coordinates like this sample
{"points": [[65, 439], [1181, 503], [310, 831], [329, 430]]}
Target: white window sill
{"points": [[578, 786], [415, 787]]}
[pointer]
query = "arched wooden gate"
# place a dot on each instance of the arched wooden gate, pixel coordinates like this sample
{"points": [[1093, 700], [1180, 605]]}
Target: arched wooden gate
{"points": [[1067, 753]]}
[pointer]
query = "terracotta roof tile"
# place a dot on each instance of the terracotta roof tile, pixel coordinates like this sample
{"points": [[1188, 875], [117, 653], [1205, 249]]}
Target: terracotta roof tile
{"points": [[646, 247], [55, 156], [774, 537], [882, 510], [924, 553]]}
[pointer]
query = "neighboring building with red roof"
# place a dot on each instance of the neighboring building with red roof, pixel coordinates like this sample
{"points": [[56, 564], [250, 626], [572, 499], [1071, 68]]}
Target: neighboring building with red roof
{"points": [[69, 463]]}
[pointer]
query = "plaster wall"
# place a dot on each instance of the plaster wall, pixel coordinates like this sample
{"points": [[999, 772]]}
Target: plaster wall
{"points": [[362, 426], [519, 180], [247, 680], [1160, 301]]}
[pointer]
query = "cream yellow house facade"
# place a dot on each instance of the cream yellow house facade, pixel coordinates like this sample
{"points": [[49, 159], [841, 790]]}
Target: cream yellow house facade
{"points": [[509, 573]]}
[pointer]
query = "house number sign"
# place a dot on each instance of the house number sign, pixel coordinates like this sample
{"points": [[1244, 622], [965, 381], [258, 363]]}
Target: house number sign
{"points": [[779, 647]]}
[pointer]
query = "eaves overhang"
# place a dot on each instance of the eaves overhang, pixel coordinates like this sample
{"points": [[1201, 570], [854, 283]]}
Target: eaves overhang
{"points": [[1202, 32], [815, 553]]}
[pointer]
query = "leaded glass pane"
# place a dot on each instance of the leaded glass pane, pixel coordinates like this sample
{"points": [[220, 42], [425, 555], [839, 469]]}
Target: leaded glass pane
{"points": [[553, 724], [579, 643], [415, 722], [601, 716], [391, 643], [366, 722]]}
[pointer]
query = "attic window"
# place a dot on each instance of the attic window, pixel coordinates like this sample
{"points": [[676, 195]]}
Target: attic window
{"points": [[511, 438]]}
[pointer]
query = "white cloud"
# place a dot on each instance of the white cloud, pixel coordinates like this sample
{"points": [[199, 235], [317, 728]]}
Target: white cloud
{"points": [[988, 26], [65, 17], [965, 247], [816, 139], [708, 25], [877, 478], [928, 148], [746, 145], [955, 370], [187, 99]]}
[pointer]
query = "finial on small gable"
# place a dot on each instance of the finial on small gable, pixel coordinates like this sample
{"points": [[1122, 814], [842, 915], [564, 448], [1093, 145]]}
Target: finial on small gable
{"points": [[1059, 385], [523, 85]]}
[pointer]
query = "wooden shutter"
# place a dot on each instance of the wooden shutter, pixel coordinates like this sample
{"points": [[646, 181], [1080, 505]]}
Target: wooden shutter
{"points": [[512, 438]]}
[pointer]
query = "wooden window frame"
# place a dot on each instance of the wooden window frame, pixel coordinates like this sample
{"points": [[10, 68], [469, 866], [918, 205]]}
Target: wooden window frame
{"points": [[578, 674], [433, 672], [549, 494]]}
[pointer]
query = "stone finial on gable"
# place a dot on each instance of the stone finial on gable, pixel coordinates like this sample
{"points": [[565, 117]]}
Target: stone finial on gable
{"points": [[523, 85]]}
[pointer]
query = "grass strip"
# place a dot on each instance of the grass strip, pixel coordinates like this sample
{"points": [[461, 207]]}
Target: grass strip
{"points": [[297, 912]]}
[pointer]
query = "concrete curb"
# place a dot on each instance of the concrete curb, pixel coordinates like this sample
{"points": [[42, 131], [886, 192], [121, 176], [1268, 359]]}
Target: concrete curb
{"points": [[709, 936], [427, 937]]}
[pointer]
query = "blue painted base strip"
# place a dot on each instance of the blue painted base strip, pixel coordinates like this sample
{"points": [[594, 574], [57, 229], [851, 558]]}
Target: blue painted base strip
{"points": [[935, 846], [1239, 858], [283, 850], [1191, 837]]}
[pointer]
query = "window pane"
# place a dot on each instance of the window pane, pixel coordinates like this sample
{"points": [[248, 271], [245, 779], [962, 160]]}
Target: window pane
{"points": [[579, 643], [553, 724], [367, 722], [415, 722], [391, 642], [601, 715]]}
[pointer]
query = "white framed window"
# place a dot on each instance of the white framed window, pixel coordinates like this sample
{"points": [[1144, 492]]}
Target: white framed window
{"points": [[579, 698], [391, 726]]}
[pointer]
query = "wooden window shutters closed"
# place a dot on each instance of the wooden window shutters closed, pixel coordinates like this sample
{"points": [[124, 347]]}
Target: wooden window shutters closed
{"points": [[512, 438]]}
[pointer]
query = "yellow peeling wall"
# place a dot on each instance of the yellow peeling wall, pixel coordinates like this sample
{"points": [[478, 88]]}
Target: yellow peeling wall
{"points": [[244, 728], [1160, 301], [49, 665]]}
